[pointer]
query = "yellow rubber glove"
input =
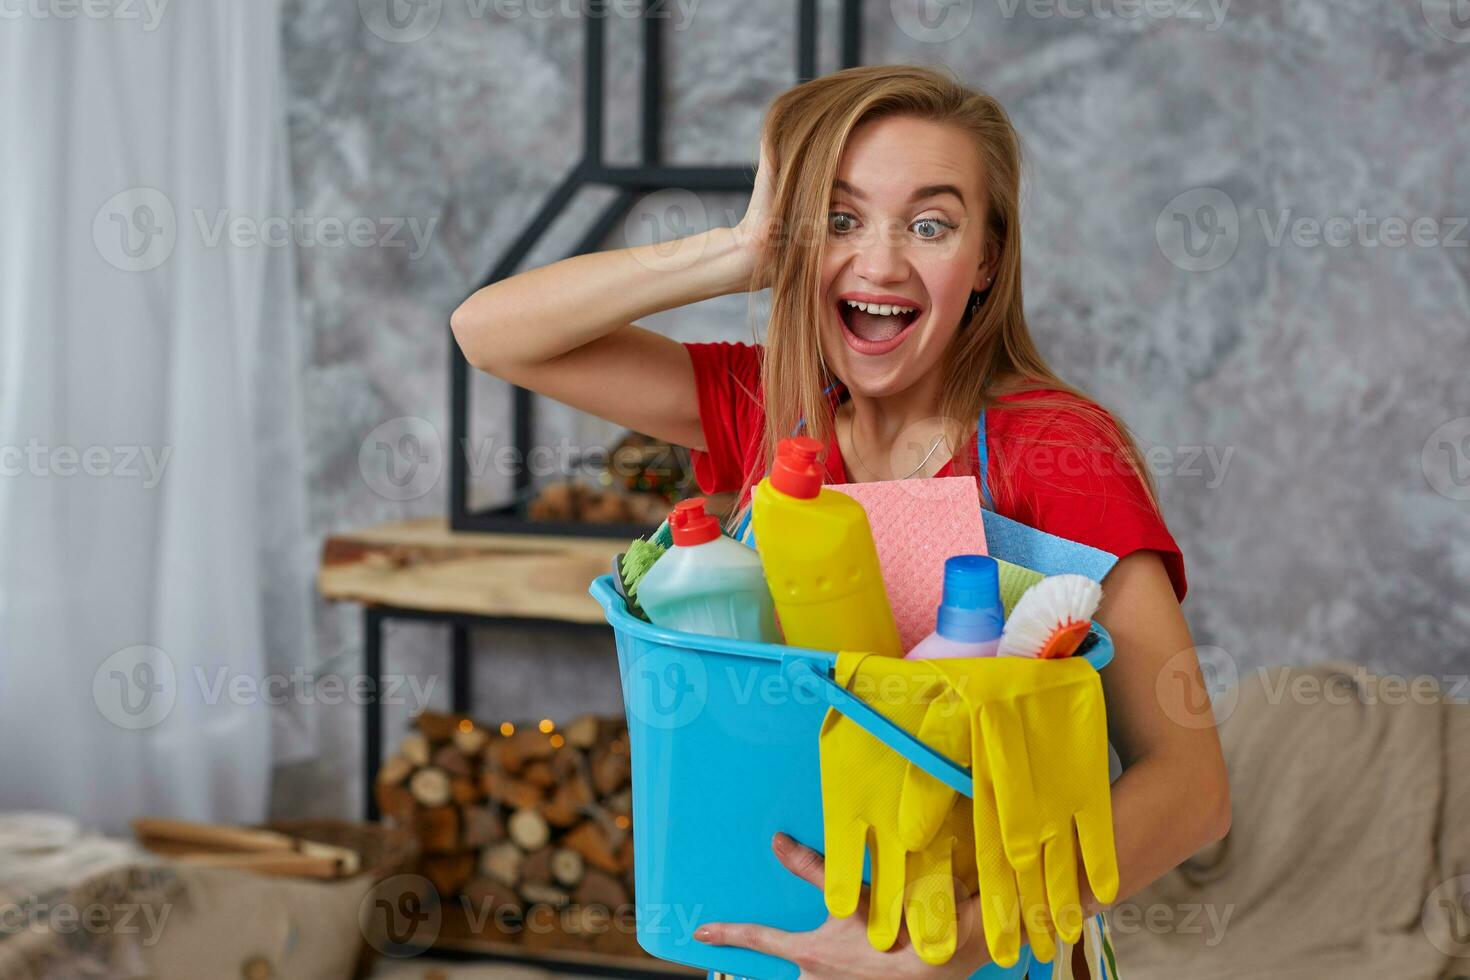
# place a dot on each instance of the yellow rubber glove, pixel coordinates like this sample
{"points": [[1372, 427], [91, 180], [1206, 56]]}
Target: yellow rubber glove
{"points": [[1034, 733], [862, 787]]}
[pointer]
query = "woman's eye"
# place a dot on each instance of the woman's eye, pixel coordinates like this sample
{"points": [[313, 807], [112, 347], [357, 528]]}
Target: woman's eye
{"points": [[931, 228], [840, 221]]}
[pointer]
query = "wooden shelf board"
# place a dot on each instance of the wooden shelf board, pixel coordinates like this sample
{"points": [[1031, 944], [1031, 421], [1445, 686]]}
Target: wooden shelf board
{"points": [[422, 564]]}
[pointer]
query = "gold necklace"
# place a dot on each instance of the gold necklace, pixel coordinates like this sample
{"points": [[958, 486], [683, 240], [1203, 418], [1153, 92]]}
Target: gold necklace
{"points": [[852, 441]]}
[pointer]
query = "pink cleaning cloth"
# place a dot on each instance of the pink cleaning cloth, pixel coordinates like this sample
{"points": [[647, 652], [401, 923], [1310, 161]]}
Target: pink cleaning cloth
{"points": [[917, 524]]}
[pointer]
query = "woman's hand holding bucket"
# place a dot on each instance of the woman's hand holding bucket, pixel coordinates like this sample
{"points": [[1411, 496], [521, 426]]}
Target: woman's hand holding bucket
{"points": [[838, 949]]}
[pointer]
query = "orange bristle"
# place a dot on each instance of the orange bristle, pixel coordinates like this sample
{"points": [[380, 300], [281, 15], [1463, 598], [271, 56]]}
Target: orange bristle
{"points": [[1064, 641]]}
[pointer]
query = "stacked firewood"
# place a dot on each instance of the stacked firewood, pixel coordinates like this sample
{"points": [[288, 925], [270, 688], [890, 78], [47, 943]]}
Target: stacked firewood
{"points": [[522, 822]]}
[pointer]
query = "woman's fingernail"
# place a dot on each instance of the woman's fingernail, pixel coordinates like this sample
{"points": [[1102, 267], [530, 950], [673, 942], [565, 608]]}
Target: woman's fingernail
{"points": [[702, 934], [781, 842]]}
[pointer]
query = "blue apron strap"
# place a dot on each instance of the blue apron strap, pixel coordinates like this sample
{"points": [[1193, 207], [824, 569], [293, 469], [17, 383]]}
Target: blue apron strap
{"points": [[982, 455]]}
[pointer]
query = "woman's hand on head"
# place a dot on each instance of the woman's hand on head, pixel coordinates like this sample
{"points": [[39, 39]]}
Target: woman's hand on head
{"points": [[755, 231], [838, 949]]}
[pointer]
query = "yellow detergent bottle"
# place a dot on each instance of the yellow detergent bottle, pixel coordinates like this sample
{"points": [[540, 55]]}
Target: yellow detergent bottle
{"points": [[820, 561]]}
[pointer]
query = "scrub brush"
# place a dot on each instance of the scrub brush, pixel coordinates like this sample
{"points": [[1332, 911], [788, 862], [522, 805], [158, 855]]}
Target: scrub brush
{"points": [[632, 566], [1051, 619]]}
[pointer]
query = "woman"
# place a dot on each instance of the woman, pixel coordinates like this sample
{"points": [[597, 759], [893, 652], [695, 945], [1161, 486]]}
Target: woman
{"points": [[885, 222]]}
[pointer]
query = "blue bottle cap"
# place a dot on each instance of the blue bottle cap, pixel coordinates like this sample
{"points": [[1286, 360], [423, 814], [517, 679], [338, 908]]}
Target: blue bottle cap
{"points": [[972, 612]]}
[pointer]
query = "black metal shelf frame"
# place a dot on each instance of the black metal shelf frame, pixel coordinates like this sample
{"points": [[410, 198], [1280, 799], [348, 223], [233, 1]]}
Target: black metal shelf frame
{"points": [[631, 183]]}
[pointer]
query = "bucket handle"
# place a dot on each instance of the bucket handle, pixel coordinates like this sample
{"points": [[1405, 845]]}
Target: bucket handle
{"points": [[802, 669]]}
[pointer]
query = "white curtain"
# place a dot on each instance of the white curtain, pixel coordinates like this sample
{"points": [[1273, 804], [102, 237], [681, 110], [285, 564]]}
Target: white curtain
{"points": [[154, 575]]}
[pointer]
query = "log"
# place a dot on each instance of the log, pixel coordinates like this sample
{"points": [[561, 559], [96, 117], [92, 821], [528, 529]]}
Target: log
{"points": [[480, 825], [524, 746], [437, 726], [415, 748], [503, 863], [528, 828], [537, 866], [449, 873], [437, 829], [568, 806], [567, 867], [598, 888], [464, 791], [611, 769], [509, 790], [542, 893], [620, 802], [582, 733], [430, 787], [453, 761], [539, 773], [471, 741], [396, 803], [591, 841], [486, 896], [395, 770]]}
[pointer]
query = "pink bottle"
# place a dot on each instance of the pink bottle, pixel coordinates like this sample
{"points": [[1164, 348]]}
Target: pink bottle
{"points": [[970, 619]]}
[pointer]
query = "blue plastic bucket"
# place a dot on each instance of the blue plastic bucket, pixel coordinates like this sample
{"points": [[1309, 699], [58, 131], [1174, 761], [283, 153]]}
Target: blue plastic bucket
{"points": [[723, 736]]}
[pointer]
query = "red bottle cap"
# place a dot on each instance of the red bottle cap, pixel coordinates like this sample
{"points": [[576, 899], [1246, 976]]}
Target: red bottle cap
{"points": [[689, 524], [795, 471]]}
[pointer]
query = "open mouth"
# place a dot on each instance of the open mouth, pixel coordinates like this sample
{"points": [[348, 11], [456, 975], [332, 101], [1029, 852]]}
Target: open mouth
{"points": [[875, 328]]}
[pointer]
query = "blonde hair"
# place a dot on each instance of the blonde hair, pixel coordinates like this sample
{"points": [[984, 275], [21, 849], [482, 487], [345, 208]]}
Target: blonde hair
{"points": [[806, 129]]}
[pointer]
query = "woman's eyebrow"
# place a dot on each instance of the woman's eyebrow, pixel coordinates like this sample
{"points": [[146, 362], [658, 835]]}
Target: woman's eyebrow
{"points": [[919, 194]]}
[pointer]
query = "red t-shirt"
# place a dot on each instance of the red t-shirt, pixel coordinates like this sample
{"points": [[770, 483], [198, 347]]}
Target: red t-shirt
{"points": [[1079, 491]]}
